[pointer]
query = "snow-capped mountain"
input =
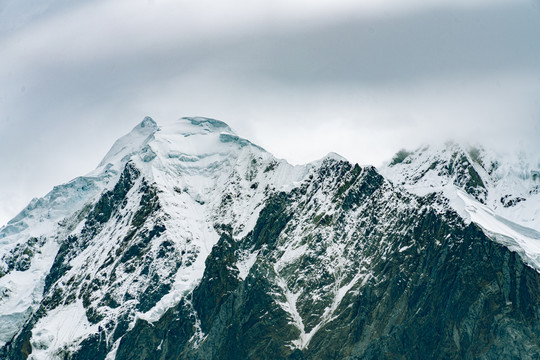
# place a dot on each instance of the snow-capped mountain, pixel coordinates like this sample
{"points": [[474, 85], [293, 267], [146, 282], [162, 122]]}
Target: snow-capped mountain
{"points": [[188, 241], [498, 192]]}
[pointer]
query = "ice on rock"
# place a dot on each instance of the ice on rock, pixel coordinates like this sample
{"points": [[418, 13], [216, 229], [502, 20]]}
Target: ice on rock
{"points": [[525, 241], [227, 137], [497, 191], [130, 143]]}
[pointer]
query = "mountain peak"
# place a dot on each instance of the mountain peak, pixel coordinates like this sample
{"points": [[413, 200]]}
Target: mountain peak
{"points": [[145, 132], [131, 142], [148, 122], [334, 156]]}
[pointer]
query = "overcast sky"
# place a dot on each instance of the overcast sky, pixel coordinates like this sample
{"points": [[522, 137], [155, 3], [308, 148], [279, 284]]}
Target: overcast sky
{"points": [[300, 78]]}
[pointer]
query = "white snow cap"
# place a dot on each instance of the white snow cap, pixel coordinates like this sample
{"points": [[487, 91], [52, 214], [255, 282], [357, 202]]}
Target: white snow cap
{"points": [[132, 142], [509, 212]]}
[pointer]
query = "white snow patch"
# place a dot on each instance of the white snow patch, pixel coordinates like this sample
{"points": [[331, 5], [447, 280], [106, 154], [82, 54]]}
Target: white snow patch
{"points": [[58, 330], [404, 248], [518, 238], [245, 263], [112, 354], [289, 305]]}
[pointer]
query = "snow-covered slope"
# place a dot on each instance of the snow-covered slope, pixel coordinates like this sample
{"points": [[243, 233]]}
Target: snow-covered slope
{"points": [[203, 176], [188, 241], [498, 191], [30, 242]]}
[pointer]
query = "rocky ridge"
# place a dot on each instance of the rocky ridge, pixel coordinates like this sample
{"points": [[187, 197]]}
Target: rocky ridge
{"points": [[190, 242]]}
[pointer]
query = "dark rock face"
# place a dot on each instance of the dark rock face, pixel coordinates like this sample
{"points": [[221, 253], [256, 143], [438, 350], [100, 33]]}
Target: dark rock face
{"points": [[436, 288], [165, 339], [344, 266], [19, 258], [456, 302]]}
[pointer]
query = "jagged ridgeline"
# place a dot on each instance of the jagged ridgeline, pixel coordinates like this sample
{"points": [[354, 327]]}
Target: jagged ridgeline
{"points": [[190, 242]]}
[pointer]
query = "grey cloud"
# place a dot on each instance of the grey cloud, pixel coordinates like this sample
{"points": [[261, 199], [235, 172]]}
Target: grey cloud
{"points": [[410, 48], [386, 81], [416, 47], [381, 51]]}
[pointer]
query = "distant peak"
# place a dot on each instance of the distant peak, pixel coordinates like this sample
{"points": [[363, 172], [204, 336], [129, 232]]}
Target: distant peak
{"points": [[334, 156], [148, 122], [132, 142]]}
